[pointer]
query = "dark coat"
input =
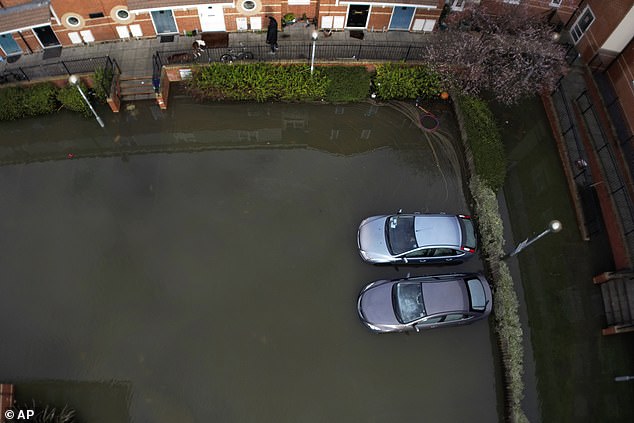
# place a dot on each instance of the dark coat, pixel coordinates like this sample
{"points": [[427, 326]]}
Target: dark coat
{"points": [[271, 32]]}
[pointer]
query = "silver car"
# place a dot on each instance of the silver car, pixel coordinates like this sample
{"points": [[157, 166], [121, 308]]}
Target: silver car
{"points": [[425, 302], [416, 238]]}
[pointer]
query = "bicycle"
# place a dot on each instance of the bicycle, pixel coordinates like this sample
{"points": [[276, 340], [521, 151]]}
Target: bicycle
{"points": [[231, 56]]}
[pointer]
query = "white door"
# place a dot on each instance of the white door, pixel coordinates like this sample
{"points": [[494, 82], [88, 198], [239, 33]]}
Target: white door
{"points": [[212, 18]]}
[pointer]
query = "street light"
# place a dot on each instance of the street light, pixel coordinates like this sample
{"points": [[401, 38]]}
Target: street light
{"points": [[553, 227], [312, 57], [74, 80]]}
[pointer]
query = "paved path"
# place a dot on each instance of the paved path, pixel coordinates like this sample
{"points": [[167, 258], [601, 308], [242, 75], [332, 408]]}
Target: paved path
{"points": [[135, 56]]}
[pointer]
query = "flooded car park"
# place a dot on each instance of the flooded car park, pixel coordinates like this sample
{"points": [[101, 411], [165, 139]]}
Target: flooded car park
{"points": [[207, 258]]}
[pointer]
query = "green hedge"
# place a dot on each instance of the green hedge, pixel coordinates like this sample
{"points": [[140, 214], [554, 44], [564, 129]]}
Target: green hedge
{"points": [[19, 102], [259, 82], [347, 83], [39, 99], [485, 141], [398, 81]]}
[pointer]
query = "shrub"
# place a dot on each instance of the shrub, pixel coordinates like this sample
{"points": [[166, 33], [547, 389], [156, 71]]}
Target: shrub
{"points": [[39, 99], [484, 139], [12, 99], [505, 302], [347, 83], [20, 102], [102, 79], [259, 82], [70, 99], [398, 81]]}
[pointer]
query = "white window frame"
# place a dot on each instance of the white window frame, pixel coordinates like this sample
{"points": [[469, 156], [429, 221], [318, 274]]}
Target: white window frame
{"points": [[555, 3], [576, 25], [512, 1], [298, 2], [458, 5]]}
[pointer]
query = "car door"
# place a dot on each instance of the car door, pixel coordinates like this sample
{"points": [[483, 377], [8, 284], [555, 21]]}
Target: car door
{"points": [[421, 255], [446, 254], [429, 322]]}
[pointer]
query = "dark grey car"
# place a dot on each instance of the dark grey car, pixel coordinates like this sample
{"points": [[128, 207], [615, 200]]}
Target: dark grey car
{"points": [[416, 238], [424, 302]]}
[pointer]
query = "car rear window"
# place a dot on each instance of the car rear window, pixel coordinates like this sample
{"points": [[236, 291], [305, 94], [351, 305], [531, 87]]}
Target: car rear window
{"points": [[476, 294], [468, 233], [399, 231]]}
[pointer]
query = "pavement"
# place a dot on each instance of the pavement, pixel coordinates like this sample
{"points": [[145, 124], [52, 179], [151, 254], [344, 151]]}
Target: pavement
{"points": [[134, 56]]}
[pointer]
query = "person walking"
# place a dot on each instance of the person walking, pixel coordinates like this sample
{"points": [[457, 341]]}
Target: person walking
{"points": [[271, 34]]}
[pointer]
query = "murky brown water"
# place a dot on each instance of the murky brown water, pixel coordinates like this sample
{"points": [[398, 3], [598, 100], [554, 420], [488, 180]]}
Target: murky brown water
{"points": [[219, 282]]}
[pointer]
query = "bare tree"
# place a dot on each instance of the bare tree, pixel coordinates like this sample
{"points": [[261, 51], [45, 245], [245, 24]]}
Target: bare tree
{"points": [[508, 52]]}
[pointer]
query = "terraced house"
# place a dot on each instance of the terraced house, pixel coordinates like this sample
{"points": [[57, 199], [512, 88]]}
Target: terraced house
{"points": [[27, 26], [601, 30]]}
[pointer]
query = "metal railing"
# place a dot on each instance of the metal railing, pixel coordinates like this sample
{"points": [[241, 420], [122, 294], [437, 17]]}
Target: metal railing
{"points": [[577, 157], [48, 70], [302, 51], [611, 170]]}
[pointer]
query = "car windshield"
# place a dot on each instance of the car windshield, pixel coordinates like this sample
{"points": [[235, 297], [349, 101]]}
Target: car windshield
{"points": [[468, 233], [408, 301], [476, 294], [399, 231]]}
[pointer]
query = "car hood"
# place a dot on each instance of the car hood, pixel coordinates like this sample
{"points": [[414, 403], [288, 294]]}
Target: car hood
{"points": [[375, 305], [372, 237]]}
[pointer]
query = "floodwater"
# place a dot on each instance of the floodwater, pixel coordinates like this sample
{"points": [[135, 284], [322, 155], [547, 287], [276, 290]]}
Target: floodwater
{"points": [[200, 264]]}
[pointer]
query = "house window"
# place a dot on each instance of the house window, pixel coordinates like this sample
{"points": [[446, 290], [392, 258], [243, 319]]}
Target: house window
{"points": [[582, 24], [297, 2], [95, 15], [248, 5], [457, 4], [512, 1], [73, 21], [121, 15], [555, 3]]}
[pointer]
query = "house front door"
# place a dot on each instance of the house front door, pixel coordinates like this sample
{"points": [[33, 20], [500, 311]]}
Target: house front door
{"points": [[402, 18], [46, 36], [9, 46], [358, 16], [212, 18], [164, 21]]}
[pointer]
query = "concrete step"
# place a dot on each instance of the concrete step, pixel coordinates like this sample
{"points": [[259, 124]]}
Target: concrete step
{"points": [[138, 96], [136, 88], [618, 300]]}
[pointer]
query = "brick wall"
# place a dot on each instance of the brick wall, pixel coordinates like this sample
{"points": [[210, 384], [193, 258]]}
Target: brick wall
{"points": [[379, 18]]}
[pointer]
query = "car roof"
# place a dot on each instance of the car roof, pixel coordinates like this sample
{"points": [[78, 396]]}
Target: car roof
{"points": [[445, 296], [437, 229]]}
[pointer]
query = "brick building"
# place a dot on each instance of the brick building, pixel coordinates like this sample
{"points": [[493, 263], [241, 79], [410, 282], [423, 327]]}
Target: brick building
{"points": [[28, 26], [602, 32]]}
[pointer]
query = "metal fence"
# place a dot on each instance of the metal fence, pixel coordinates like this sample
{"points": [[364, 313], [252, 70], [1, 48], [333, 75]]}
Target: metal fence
{"points": [[614, 179], [577, 155], [302, 51], [48, 70]]}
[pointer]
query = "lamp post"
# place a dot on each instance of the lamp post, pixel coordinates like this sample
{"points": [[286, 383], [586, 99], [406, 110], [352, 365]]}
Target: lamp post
{"points": [[553, 227], [74, 80], [312, 56]]}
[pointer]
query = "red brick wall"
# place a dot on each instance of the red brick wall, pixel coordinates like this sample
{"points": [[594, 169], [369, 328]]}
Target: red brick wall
{"points": [[607, 16], [379, 18]]}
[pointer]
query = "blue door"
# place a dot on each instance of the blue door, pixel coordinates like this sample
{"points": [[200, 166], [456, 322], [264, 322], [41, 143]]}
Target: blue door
{"points": [[164, 22], [402, 18], [9, 45]]}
